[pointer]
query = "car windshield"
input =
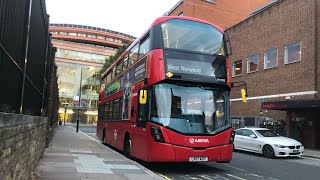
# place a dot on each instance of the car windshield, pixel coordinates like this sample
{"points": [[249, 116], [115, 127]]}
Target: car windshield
{"points": [[190, 110], [266, 133]]}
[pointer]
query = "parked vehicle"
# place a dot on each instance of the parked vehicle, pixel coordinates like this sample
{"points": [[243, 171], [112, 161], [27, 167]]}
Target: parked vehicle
{"points": [[266, 142]]}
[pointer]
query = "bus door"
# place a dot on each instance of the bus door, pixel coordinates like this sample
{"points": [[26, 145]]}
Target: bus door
{"points": [[140, 132]]}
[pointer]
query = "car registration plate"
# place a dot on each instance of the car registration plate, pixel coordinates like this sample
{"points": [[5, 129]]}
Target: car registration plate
{"points": [[295, 151], [194, 159]]}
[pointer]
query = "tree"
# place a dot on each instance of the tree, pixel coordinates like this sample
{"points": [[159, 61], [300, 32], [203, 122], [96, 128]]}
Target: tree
{"points": [[112, 59]]}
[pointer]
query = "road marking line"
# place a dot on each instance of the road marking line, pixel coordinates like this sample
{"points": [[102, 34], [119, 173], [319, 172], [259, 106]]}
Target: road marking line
{"points": [[205, 177], [256, 175], [272, 178], [234, 167], [216, 175], [165, 177], [235, 177]]}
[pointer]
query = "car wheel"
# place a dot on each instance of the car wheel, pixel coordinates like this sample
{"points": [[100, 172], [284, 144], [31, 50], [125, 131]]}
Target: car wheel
{"points": [[127, 147], [268, 151]]}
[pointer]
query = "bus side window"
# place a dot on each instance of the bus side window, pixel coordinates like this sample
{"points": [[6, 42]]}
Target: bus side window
{"points": [[144, 46], [143, 111], [110, 111], [108, 77], [125, 62], [116, 109], [119, 67], [106, 111], [114, 72], [133, 54]]}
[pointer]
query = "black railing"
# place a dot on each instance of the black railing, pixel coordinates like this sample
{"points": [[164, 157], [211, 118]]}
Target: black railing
{"points": [[26, 59]]}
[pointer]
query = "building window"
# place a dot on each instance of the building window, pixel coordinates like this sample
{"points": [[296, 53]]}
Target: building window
{"points": [[180, 14], [101, 37], [92, 36], [252, 64], [82, 35], [271, 59], [292, 53], [237, 68], [72, 34]]}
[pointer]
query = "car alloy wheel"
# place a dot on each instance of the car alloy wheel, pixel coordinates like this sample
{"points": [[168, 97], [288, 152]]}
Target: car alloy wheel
{"points": [[268, 151]]}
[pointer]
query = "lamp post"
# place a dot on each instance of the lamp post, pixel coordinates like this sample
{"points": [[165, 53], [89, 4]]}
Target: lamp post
{"points": [[65, 112], [78, 118]]}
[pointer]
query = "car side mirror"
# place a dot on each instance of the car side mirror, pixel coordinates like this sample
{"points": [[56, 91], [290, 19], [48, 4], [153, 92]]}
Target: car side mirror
{"points": [[253, 136]]}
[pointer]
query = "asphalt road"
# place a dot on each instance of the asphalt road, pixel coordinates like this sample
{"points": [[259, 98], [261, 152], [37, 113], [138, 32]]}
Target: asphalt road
{"points": [[244, 166]]}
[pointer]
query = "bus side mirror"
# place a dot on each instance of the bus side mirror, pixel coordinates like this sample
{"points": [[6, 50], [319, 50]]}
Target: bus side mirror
{"points": [[244, 95], [143, 96]]}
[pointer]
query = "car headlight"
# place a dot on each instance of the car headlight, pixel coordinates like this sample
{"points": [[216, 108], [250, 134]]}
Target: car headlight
{"points": [[279, 146]]}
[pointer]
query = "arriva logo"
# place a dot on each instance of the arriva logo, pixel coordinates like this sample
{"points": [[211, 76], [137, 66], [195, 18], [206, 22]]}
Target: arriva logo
{"points": [[191, 140]]}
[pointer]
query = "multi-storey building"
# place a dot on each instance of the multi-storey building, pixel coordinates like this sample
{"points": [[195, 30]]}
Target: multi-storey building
{"points": [[81, 53], [276, 51], [224, 13]]}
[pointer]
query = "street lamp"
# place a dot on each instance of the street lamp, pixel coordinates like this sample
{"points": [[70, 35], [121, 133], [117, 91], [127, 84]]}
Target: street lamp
{"points": [[78, 118]]}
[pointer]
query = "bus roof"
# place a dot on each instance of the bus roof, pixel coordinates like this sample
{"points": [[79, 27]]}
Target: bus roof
{"points": [[156, 22]]}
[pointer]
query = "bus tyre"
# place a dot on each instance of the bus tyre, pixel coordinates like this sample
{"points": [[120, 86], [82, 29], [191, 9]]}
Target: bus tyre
{"points": [[104, 138], [127, 147], [268, 151]]}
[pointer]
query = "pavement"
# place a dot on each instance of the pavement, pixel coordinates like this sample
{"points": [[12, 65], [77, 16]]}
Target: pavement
{"points": [[77, 156], [313, 153]]}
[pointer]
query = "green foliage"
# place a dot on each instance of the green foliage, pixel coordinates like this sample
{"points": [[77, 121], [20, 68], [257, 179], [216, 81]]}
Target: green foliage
{"points": [[112, 59]]}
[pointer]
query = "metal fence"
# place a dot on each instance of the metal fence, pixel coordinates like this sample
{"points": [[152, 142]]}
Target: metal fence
{"points": [[25, 57]]}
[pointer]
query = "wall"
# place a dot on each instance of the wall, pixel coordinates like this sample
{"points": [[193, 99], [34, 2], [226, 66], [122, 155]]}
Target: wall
{"points": [[224, 13], [22, 143], [283, 23]]}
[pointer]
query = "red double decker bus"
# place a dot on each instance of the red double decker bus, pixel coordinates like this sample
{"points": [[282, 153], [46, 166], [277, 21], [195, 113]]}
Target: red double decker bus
{"points": [[166, 98]]}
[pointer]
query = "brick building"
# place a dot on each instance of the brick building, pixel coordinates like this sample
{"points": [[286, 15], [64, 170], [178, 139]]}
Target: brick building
{"points": [[224, 13], [276, 51]]}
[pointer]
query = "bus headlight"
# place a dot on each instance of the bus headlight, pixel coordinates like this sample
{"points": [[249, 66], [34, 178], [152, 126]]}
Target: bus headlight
{"points": [[233, 133], [156, 134]]}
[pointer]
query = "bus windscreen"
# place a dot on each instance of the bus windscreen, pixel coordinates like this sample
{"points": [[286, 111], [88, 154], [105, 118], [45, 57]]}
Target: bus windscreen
{"points": [[192, 36], [190, 110]]}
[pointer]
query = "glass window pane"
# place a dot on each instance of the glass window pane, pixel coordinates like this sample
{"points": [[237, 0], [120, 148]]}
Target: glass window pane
{"points": [[293, 53], [144, 47], [271, 59], [192, 36], [116, 109], [133, 55], [253, 63], [237, 68], [110, 111]]}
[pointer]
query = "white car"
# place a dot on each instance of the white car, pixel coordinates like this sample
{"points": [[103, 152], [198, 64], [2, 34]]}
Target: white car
{"points": [[266, 142]]}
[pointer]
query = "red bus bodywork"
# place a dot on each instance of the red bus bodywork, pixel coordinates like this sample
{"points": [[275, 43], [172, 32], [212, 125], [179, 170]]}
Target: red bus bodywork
{"points": [[176, 147]]}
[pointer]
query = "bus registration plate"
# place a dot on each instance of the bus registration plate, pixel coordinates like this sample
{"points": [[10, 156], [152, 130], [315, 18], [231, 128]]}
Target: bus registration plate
{"points": [[198, 159]]}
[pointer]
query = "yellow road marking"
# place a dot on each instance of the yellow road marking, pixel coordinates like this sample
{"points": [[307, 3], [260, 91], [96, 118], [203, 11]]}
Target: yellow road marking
{"points": [[165, 177]]}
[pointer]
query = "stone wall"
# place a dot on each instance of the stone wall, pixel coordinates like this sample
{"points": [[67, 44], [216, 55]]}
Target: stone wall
{"points": [[22, 143]]}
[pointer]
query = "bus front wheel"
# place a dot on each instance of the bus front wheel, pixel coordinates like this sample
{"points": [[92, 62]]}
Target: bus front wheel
{"points": [[104, 141], [127, 147]]}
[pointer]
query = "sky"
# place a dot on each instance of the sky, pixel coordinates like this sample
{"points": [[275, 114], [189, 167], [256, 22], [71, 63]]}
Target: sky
{"points": [[131, 17]]}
